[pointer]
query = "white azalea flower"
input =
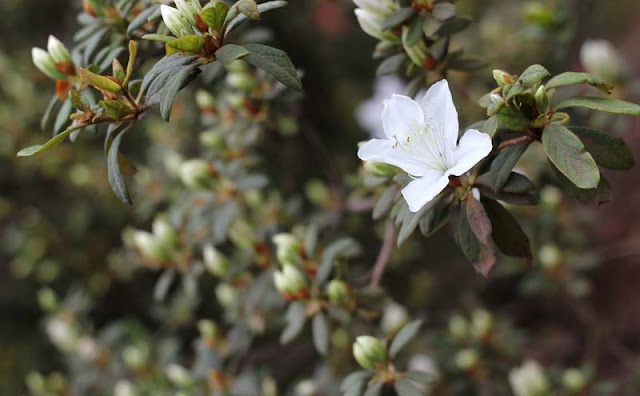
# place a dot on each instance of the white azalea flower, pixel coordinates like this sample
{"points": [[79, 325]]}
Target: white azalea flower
{"points": [[528, 380], [371, 15], [601, 58], [368, 112], [422, 140]]}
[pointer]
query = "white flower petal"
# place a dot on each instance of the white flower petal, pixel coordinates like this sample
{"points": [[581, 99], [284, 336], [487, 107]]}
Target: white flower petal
{"points": [[474, 146], [420, 191], [383, 8], [401, 117], [370, 22], [381, 150], [440, 111]]}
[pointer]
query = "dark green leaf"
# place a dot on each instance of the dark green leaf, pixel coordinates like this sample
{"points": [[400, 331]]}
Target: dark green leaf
{"points": [[570, 156], [572, 78], [398, 18], [342, 248], [56, 140], [452, 26], [320, 329], [175, 84], [62, 118], [490, 127], [608, 151], [532, 75], [597, 196], [478, 220], [274, 62], [146, 15], [230, 53], [356, 380], [391, 65], [481, 256], [405, 387], [116, 178], [601, 104], [406, 334], [512, 119], [415, 32], [504, 162], [507, 233], [296, 317], [374, 389], [385, 202], [50, 113]]}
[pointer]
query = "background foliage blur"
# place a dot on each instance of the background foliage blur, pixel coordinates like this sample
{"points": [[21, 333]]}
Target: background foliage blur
{"points": [[60, 225]]}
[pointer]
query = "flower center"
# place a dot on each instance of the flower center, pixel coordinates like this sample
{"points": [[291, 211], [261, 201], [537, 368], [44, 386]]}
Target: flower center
{"points": [[428, 146]]}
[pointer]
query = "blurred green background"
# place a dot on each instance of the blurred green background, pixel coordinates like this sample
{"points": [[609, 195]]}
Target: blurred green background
{"points": [[59, 220]]}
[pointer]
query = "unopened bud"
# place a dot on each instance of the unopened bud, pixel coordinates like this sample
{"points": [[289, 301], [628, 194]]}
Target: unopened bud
{"points": [[550, 256], [226, 295], [369, 352], [467, 359], [216, 262], [551, 197], [163, 231], [394, 317], [149, 246], [135, 356], [196, 174], [241, 80], [242, 235], [338, 292], [48, 299], [458, 328], [380, 169], [205, 100], [288, 248], [57, 50], [417, 52], [46, 64], [542, 100], [209, 329], [574, 380], [212, 139], [178, 375], [175, 21], [124, 388], [528, 380], [306, 388], [481, 324], [503, 78], [290, 280]]}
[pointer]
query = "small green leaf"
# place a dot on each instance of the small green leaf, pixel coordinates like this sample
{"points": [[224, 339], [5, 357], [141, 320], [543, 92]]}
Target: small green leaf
{"points": [[506, 232], [101, 82], [532, 75], [296, 317], [49, 116], [341, 248], [406, 334], [420, 377], [398, 18], [385, 202], [512, 119], [174, 85], [374, 389], [79, 102], [116, 179], [214, 16], [133, 54], [320, 330], [570, 156], [115, 109], [573, 78], [405, 387], [504, 163], [608, 151], [391, 65], [233, 20], [490, 127], [56, 140], [452, 26], [355, 382], [188, 45], [163, 38], [601, 104], [148, 14]]}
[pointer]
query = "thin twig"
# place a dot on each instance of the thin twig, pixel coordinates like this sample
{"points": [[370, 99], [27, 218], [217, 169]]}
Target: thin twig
{"points": [[384, 255], [514, 141]]}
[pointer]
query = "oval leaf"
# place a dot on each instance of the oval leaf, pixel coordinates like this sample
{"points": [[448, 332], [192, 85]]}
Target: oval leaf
{"points": [[601, 104], [403, 337]]}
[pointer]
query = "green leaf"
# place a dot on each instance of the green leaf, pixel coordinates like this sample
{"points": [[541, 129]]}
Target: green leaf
{"points": [[214, 16], [342, 248], [116, 179], [56, 140], [274, 62], [506, 232], [504, 162], [233, 21], [512, 119], [101, 82], [79, 101], [296, 317], [592, 196], [570, 156], [133, 54], [608, 151], [188, 45], [391, 65], [230, 53], [115, 109], [452, 26], [148, 14], [601, 104], [420, 377], [405, 387], [49, 116], [532, 75], [163, 38], [174, 85], [385, 202], [374, 389], [398, 18], [406, 334], [573, 78], [481, 256], [320, 330], [355, 381], [62, 118], [490, 127]]}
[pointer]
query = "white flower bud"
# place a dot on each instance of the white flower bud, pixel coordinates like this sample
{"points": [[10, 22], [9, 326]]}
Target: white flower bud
{"points": [[600, 57], [227, 295], [196, 174], [149, 246], [528, 380], [216, 262], [306, 388], [62, 334], [48, 299], [205, 100], [178, 375], [369, 352], [124, 388], [550, 256], [290, 280], [417, 52], [338, 292], [45, 63], [57, 50], [174, 20], [188, 9], [481, 324], [467, 359], [574, 380], [135, 356], [287, 248], [163, 231], [394, 317], [458, 328]]}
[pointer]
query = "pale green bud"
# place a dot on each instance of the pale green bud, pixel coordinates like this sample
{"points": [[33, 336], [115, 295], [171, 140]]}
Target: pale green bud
{"points": [[288, 248], [503, 78], [269, 386], [212, 139], [227, 295], [369, 352], [306, 388], [241, 80], [394, 316], [149, 246], [216, 262], [124, 388], [57, 50], [46, 64], [338, 292], [481, 323], [318, 193], [175, 21], [529, 380], [178, 375], [574, 380], [290, 280], [135, 356], [380, 169], [196, 174], [205, 100], [242, 235], [417, 52], [551, 197], [48, 299], [62, 334], [188, 9], [208, 329], [458, 328], [163, 231], [550, 256], [542, 100], [467, 359], [36, 382]]}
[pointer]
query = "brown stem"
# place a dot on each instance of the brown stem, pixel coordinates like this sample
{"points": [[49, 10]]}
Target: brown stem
{"points": [[514, 141], [384, 255]]}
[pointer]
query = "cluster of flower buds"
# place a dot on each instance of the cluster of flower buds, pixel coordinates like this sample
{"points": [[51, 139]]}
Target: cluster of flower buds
{"points": [[369, 352], [181, 20], [55, 62], [529, 380], [371, 15]]}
